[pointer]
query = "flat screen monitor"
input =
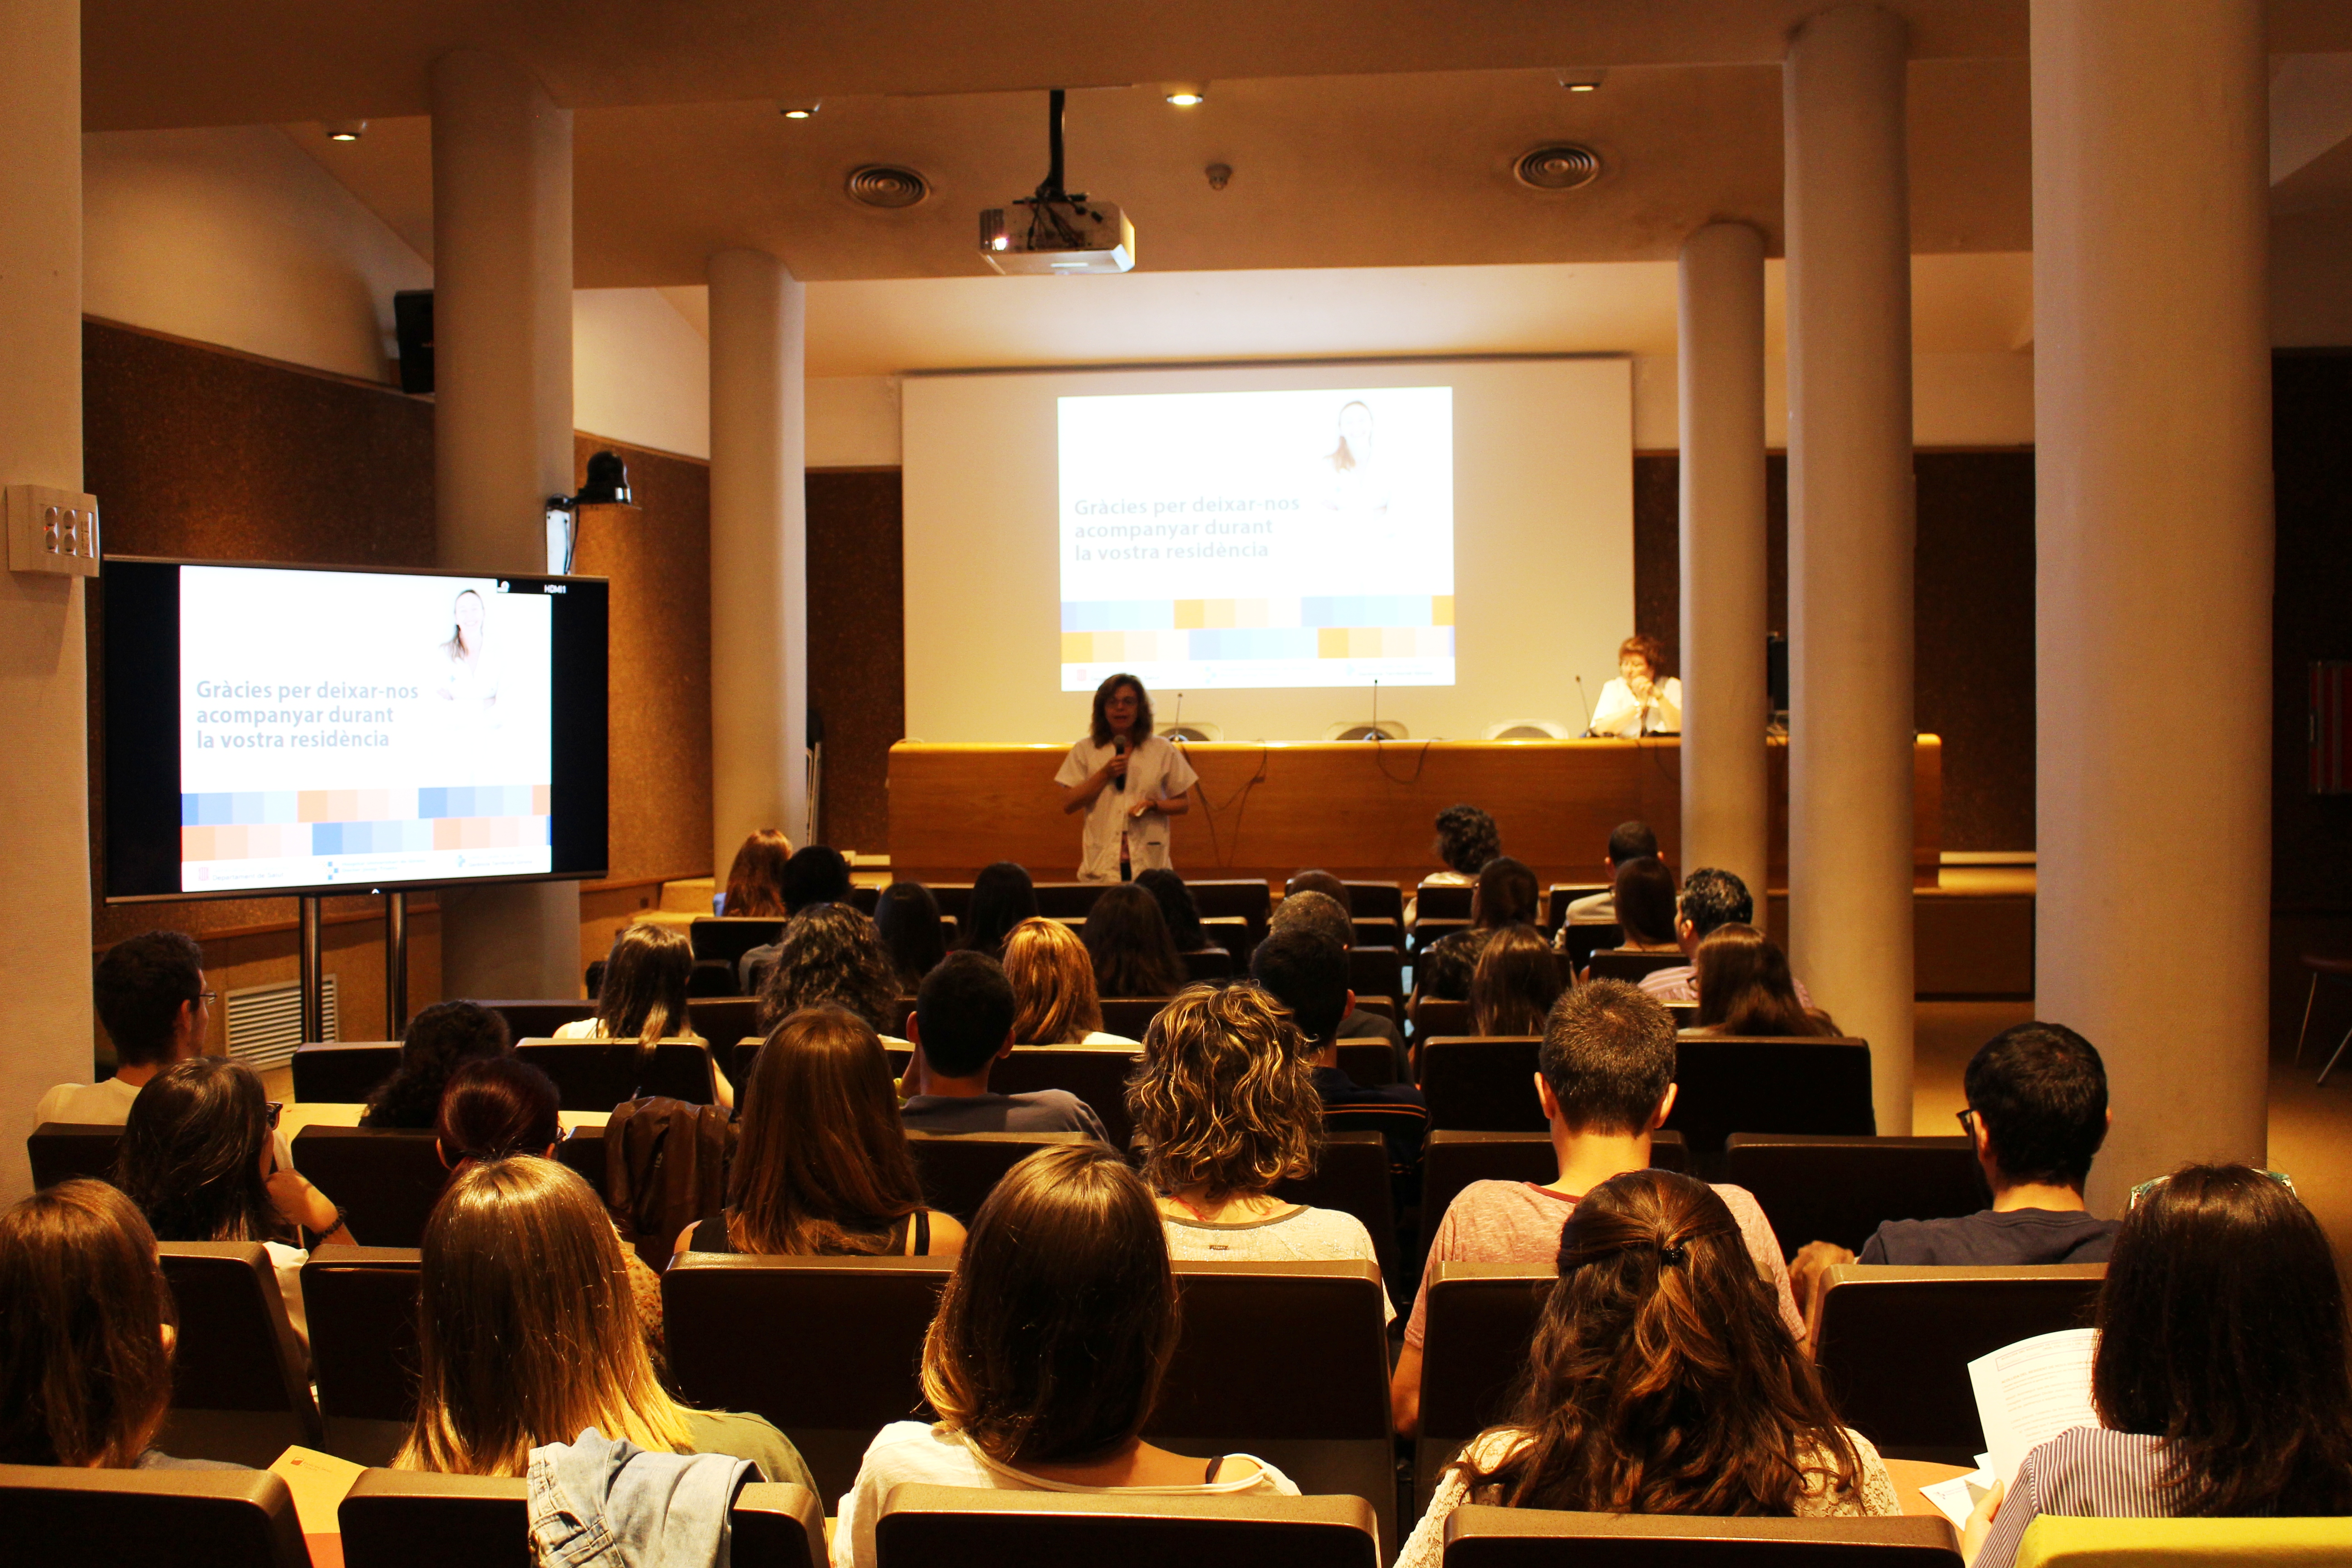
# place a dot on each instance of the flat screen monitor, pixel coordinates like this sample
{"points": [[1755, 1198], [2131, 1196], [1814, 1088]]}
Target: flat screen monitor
{"points": [[317, 729]]}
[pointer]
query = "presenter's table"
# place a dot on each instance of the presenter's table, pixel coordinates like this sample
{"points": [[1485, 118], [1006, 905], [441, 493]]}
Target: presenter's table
{"points": [[1360, 809]]}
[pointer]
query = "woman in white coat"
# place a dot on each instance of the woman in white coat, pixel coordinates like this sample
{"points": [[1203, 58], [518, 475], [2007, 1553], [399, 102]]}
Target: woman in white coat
{"points": [[1637, 702]]}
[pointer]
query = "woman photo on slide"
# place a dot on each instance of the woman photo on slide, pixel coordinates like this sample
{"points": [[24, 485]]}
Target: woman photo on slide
{"points": [[1637, 702], [469, 680], [1129, 781], [1358, 485]]}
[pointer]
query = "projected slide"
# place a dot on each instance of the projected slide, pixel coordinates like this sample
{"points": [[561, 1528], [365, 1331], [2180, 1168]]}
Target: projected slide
{"points": [[1239, 539], [337, 727]]}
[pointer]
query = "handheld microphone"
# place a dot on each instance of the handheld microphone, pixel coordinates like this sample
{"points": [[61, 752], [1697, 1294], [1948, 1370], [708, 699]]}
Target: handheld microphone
{"points": [[1119, 746], [1580, 697]]}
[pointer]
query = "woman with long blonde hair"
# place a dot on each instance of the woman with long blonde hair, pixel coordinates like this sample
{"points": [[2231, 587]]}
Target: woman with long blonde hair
{"points": [[1048, 1354], [643, 998], [821, 1165], [526, 1336], [1053, 978], [1224, 1104]]}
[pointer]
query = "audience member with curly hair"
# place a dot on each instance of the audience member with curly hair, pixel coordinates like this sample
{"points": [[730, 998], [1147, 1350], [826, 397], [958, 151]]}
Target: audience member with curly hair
{"points": [[439, 1040], [830, 953]]}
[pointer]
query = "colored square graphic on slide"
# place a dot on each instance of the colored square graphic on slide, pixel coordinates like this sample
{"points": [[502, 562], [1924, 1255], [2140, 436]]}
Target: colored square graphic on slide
{"points": [[228, 838], [1258, 538]]}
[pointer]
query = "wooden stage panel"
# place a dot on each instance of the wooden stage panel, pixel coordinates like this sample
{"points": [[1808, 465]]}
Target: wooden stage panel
{"points": [[1357, 809]]}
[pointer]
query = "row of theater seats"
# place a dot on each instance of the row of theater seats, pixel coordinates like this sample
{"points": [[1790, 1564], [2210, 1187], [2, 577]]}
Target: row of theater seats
{"points": [[397, 1520], [1288, 1362]]}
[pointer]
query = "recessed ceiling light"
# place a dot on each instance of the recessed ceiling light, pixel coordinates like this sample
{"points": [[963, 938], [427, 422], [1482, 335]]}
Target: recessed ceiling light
{"points": [[1582, 80], [345, 129], [800, 107], [1184, 94]]}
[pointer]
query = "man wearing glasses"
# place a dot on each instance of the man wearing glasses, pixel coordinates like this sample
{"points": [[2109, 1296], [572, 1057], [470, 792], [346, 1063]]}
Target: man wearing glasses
{"points": [[2037, 1114]]}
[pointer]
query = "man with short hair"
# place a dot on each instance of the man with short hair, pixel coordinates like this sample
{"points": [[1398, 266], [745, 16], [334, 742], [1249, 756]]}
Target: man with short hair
{"points": [[1306, 972], [1322, 882], [1307, 909], [814, 874], [1710, 899], [1627, 841], [961, 1024], [1606, 1084], [2037, 1113], [153, 1000]]}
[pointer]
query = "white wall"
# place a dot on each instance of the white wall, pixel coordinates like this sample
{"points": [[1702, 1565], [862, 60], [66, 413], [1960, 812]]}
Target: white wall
{"points": [[1543, 576], [853, 421], [231, 235], [640, 371]]}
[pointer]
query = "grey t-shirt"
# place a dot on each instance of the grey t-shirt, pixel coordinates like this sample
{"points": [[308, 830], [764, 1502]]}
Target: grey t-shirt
{"points": [[1991, 1237], [1039, 1111]]}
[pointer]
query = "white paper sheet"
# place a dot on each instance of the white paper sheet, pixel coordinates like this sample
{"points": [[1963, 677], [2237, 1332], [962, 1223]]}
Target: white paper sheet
{"points": [[1956, 1499], [2030, 1392]]}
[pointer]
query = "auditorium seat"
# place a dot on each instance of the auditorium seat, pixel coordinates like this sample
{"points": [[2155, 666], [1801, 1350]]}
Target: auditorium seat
{"points": [[1894, 1344], [856, 1326], [1375, 971], [1444, 900], [727, 938], [61, 1151], [386, 1181], [343, 1074], [399, 1519], [1233, 933], [922, 1526], [597, 1075], [583, 1150], [1479, 1083], [186, 1518], [1288, 1362], [1542, 1538], [1352, 1176], [1436, 1015], [1370, 1062], [865, 898], [1131, 1015], [1629, 967], [958, 1170], [1559, 895], [1583, 941], [237, 1388], [1729, 1083], [722, 1020], [1211, 965], [954, 899], [1480, 1319], [362, 1303], [1842, 1189], [1225, 897], [1376, 901], [538, 1020], [1095, 1074], [1431, 930], [1070, 901], [1453, 1159], [708, 977]]}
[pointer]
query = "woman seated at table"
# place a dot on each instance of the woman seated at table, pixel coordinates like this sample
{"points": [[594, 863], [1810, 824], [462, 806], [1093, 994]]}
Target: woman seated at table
{"points": [[198, 1159], [439, 1040], [1637, 702], [2219, 1377], [643, 998], [1515, 982], [821, 1165], [1053, 980], [1745, 987], [1661, 1380], [525, 1336], [1046, 1356], [86, 1332]]}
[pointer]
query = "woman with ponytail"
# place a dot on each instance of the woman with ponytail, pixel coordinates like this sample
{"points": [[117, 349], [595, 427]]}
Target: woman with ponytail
{"points": [[1661, 1380]]}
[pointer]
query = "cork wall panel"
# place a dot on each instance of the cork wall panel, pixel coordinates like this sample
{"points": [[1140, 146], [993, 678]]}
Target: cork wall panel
{"points": [[1973, 618], [856, 648], [658, 558]]}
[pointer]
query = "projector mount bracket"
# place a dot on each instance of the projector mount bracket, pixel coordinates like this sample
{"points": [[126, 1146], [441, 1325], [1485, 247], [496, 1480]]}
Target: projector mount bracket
{"points": [[1051, 207]]}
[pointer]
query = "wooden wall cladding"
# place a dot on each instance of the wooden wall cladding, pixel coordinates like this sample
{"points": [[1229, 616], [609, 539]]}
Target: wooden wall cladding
{"points": [[658, 558], [856, 648], [1973, 627]]}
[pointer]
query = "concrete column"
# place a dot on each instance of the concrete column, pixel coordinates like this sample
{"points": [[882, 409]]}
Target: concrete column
{"points": [[44, 927], [501, 428], [2152, 432], [1849, 534], [759, 554], [1726, 791]]}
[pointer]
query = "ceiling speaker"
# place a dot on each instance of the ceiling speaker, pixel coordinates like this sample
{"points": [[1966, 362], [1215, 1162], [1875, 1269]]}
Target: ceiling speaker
{"points": [[887, 185], [1562, 166]]}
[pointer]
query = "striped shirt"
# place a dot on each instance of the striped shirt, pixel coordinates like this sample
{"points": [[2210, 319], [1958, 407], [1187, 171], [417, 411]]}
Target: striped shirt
{"points": [[2088, 1473]]}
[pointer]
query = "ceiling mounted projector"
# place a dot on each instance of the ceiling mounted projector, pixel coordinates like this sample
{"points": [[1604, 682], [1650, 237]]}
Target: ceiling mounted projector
{"points": [[1054, 231]]}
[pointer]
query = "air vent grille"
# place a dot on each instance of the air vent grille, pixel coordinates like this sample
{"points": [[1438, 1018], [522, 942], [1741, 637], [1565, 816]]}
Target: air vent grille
{"points": [[265, 1022], [887, 185], [1562, 166]]}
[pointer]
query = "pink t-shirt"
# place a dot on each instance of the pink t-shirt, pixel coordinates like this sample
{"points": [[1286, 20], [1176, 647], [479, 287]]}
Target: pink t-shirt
{"points": [[1520, 1222]]}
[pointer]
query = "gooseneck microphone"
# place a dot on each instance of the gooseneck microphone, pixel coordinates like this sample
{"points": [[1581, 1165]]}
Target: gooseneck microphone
{"points": [[1580, 697], [1119, 744]]}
